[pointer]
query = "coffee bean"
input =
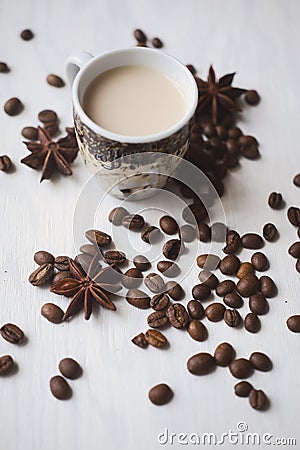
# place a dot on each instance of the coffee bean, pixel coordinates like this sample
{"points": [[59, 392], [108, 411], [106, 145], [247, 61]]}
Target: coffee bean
{"points": [[293, 215], [258, 399], [116, 215], [61, 276], [132, 278], [168, 268], [178, 316], [232, 318], [6, 363], [201, 364], [42, 275], [187, 233], [98, 238], [160, 394], [13, 106], [215, 312], [195, 309], [4, 67], [250, 151], [26, 35], [233, 242], [208, 261], [157, 319], [43, 257], [154, 282], [196, 212], [172, 248], [159, 302], [234, 132], [12, 333], [270, 232], [47, 115], [229, 265], [201, 292], [90, 249], [150, 234], [174, 290], [140, 36], [247, 140], [55, 80], [51, 128], [140, 340], [218, 232], [225, 287], [267, 287], [241, 368], [133, 222], [197, 330], [252, 241], [30, 133], [168, 225], [293, 323], [243, 389], [245, 268], [157, 43], [60, 388], [222, 132], [138, 298], [208, 278], [252, 323], [258, 304], [52, 312], [233, 300], [260, 361], [252, 97], [114, 257], [296, 180], [248, 285], [155, 338], [5, 163], [224, 354], [275, 200], [84, 261], [294, 250], [141, 263], [260, 261], [209, 130], [204, 232], [70, 368]]}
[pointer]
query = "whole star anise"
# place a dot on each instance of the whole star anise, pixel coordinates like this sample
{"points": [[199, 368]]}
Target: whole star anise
{"points": [[217, 96], [50, 155], [85, 287]]}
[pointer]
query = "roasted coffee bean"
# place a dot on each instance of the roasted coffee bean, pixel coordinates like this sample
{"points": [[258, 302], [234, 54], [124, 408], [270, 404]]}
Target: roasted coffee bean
{"points": [[258, 304], [252, 97], [248, 285], [225, 287], [174, 290], [260, 361], [218, 232], [178, 316], [4, 67], [168, 225], [6, 363], [234, 132], [70, 368], [133, 222], [296, 180], [157, 319], [150, 234], [154, 282], [245, 268], [159, 302], [258, 399], [51, 128], [275, 200], [30, 133], [195, 309], [267, 287], [233, 242], [157, 43], [294, 250], [132, 278], [98, 238], [160, 394], [90, 249], [187, 233], [55, 80], [224, 354], [116, 215], [12, 333], [42, 275], [5, 163], [201, 292], [114, 257], [293, 215], [270, 232], [196, 212], [215, 312], [252, 241], [201, 364], [293, 323], [241, 368], [232, 318], [172, 248], [61, 275], [26, 35], [204, 232], [60, 388], [141, 263], [233, 300], [229, 265], [155, 338], [260, 261], [208, 278], [140, 340], [168, 268], [247, 140], [222, 132], [52, 312], [197, 330], [252, 323], [243, 389], [13, 106], [208, 261], [209, 130], [138, 298], [232, 146], [250, 151], [140, 36], [47, 115]]}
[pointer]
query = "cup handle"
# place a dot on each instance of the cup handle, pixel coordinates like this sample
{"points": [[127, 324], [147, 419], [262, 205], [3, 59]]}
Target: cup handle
{"points": [[74, 64]]}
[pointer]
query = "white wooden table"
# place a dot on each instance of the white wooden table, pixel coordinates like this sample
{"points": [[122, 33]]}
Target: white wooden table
{"points": [[110, 409]]}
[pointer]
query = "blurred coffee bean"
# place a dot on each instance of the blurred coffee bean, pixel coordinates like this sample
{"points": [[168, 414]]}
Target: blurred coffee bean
{"points": [[168, 268], [116, 215], [13, 106], [218, 232], [160, 394], [55, 80], [187, 233], [275, 200], [141, 263], [150, 234], [208, 278], [174, 290], [252, 97], [154, 282], [204, 232], [208, 261]]}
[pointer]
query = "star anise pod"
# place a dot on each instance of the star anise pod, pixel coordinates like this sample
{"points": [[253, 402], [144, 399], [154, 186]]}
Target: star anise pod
{"points": [[50, 155], [86, 288], [217, 96]]}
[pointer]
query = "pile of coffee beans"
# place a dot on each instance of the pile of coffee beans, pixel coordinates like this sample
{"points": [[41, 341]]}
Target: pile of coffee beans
{"points": [[59, 386]]}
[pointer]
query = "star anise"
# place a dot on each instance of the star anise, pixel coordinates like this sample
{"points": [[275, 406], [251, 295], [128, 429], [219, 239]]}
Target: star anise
{"points": [[217, 96], [85, 287], [50, 155]]}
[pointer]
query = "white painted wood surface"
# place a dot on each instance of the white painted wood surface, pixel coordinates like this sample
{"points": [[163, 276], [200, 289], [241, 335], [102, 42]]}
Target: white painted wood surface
{"points": [[110, 409]]}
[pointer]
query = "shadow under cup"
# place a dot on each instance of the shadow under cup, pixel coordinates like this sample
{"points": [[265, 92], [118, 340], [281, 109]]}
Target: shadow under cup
{"points": [[127, 165]]}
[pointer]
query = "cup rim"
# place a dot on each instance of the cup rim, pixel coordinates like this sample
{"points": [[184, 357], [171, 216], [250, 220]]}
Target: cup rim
{"points": [[122, 137]]}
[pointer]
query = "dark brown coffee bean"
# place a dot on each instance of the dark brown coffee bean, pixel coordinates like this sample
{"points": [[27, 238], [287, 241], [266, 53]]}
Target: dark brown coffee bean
{"points": [[12, 333], [252, 241], [178, 316], [13, 106], [62, 263], [225, 287], [84, 261], [160, 394], [248, 285], [150, 234], [168, 268], [267, 287], [293, 215], [229, 265], [30, 133], [196, 212], [159, 302], [243, 389], [70, 368], [195, 309], [294, 250], [155, 338], [52, 312], [245, 268], [168, 225], [157, 43], [140, 340], [215, 312], [4, 67], [293, 323], [42, 275], [197, 330], [234, 132], [224, 354], [247, 140], [208, 261], [261, 361], [60, 388], [51, 128], [140, 36], [133, 222], [141, 263], [157, 319], [270, 232], [172, 248], [241, 368], [258, 399], [26, 35], [296, 180], [233, 242], [204, 232], [232, 318], [43, 257], [233, 147], [61, 276], [138, 298], [114, 257], [201, 292], [208, 278], [47, 115], [6, 363], [258, 304], [174, 290], [55, 80], [209, 130], [233, 300], [116, 215], [98, 238], [201, 364], [132, 278], [252, 97], [218, 232], [187, 233], [275, 200], [250, 151], [154, 282], [260, 261], [90, 249], [252, 323], [5, 163]]}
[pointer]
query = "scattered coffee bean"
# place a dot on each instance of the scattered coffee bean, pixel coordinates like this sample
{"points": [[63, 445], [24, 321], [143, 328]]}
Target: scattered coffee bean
{"points": [[55, 80], [60, 388], [252, 323], [215, 312], [218, 232], [208, 278], [42, 275], [234, 132], [6, 363], [275, 200], [229, 265], [296, 180], [248, 285], [43, 257], [232, 318], [258, 304], [155, 338], [225, 287], [157, 319], [5, 163], [270, 232], [90, 249], [61, 276], [140, 340], [133, 222], [233, 300], [201, 364], [160, 394], [197, 330], [140, 36], [26, 35], [84, 261], [196, 212], [208, 261], [260, 361], [252, 97], [12, 333], [132, 278], [293, 323], [243, 389], [47, 115], [168, 268], [178, 316], [116, 215], [154, 282], [245, 268], [294, 250], [241, 368], [260, 261], [187, 233], [250, 151], [172, 248], [150, 234], [204, 232], [52, 312], [267, 287], [157, 43], [13, 106], [233, 147], [293, 215], [195, 309], [201, 292], [252, 241], [70, 368], [141, 263], [209, 130], [174, 290], [4, 67], [224, 354], [51, 128], [114, 257], [30, 133], [258, 399], [168, 225], [98, 238], [138, 298], [233, 242], [159, 302], [62, 263]]}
